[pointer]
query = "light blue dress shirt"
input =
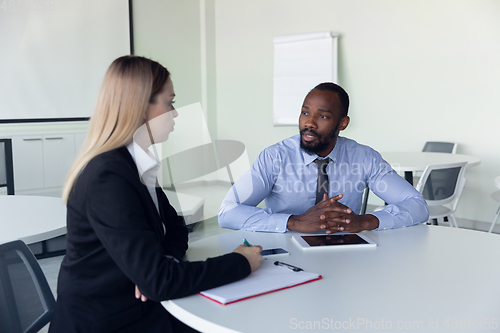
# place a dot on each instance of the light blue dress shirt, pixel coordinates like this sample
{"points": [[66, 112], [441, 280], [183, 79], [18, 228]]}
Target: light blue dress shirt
{"points": [[286, 178]]}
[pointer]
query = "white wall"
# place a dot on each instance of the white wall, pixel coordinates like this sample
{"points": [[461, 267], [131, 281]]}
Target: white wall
{"points": [[180, 35], [169, 32], [416, 71]]}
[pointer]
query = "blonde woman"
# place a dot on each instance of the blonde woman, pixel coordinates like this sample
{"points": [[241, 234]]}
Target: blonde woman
{"points": [[125, 242]]}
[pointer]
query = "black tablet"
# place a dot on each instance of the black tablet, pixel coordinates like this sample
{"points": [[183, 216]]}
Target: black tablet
{"points": [[333, 241]]}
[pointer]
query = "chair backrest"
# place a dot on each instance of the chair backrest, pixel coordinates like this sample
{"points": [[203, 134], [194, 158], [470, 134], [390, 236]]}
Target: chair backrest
{"points": [[6, 166], [364, 201], [440, 184], [26, 301], [440, 147]]}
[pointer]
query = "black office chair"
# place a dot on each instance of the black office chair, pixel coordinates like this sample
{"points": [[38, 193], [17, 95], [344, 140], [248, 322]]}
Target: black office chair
{"points": [[364, 202], [6, 166], [26, 301]]}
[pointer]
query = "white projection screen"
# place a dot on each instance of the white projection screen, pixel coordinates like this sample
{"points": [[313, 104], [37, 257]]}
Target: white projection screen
{"points": [[53, 56]]}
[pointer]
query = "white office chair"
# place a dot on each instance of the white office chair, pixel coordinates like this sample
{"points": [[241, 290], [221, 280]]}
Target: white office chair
{"points": [[440, 186], [496, 197], [436, 147]]}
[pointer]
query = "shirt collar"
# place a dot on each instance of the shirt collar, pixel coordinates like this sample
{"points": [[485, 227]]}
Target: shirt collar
{"points": [[147, 164], [334, 154]]}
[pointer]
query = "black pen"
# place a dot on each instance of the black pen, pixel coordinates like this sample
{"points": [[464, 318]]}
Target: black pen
{"points": [[293, 268]]}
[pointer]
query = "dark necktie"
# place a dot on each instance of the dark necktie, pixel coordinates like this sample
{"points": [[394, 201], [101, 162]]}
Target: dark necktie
{"points": [[323, 185]]}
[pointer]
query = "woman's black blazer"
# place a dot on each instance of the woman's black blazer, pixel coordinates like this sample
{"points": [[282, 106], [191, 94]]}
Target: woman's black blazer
{"points": [[115, 241]]}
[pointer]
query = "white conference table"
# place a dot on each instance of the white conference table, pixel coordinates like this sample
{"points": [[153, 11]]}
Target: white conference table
{"points": [[419, 279], [418, 161], [31, 218]]}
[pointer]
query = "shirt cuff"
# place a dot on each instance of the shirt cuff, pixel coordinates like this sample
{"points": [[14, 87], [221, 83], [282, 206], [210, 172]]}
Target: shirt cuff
{"points": [[278, 222], [384, 220]]}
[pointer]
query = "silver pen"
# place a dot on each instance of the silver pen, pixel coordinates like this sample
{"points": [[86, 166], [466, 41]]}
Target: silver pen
{"points": [[293, 268]]}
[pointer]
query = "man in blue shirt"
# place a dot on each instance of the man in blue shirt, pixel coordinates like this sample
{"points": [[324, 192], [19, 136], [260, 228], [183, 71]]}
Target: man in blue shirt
{"points": [[285, 175]]}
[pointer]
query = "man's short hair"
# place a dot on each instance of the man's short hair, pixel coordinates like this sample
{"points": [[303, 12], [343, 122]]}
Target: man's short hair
{"points": [[341, 93]]}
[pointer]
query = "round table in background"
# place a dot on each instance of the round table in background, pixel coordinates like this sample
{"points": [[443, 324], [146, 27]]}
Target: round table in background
{"points": [[31, 218], [408, 162]]}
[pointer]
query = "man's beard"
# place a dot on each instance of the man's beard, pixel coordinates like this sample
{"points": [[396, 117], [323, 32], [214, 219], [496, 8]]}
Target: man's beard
{"points": [[322, 141]]}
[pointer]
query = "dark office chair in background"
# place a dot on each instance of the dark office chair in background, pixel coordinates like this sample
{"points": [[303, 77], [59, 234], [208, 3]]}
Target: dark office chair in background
{"points": [[26, 301], [6, 166], [440, 147]]}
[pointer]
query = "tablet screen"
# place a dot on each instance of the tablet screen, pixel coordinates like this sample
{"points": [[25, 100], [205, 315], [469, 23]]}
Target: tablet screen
{"points": [[344, 239]]}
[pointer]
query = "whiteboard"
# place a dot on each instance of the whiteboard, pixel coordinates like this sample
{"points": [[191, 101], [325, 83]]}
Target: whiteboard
{"points": [[54, 54], [300, 63]]}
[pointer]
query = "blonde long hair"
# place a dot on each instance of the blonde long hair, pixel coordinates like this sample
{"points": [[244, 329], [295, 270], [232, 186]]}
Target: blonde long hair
{"points": [[130, 84]]}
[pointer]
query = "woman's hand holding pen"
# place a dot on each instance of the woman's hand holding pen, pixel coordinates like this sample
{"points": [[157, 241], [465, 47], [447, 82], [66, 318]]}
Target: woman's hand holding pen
{"points": [[252, 253]]}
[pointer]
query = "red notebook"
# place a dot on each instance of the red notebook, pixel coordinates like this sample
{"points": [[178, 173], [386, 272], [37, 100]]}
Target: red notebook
{"points": [[266, 279]]}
